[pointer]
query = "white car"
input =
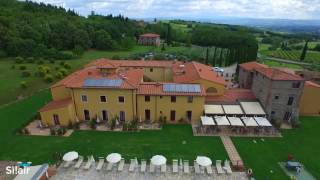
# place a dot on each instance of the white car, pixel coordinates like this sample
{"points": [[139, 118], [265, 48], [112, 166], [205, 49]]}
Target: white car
{"points": [[217, 69]]}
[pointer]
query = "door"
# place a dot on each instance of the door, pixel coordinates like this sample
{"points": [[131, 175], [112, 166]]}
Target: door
{"points": [[173, 115], [56, 119], [287, 116], [86, 115], [122, 116], [147, 114], [189, 115], [104, 115]]}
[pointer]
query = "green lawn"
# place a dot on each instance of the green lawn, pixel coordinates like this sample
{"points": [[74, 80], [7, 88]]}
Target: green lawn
{"points": [[302, 143], [142, 145]]}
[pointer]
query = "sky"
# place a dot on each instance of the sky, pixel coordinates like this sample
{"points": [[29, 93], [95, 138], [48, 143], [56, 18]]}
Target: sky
{"points": [[274, 9]]}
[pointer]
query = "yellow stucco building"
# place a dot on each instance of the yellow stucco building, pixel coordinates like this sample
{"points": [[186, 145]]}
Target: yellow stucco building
{"points": [[127, 89], [309, 102]]}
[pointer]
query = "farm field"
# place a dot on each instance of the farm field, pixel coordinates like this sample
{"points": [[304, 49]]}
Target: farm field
{"points": [[281, 65], [173, 141], [311, 57]]}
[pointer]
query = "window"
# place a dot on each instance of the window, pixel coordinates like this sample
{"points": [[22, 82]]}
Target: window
{"points": [[151, 69], [190, 99], [287, 116], [290, 101], [56, 120], [103, 99], [276, 97], [173, 98], [147, 98], [296, 85], [86, 114], [121, 99], [227, 75], [172, 115], [84, 98], [122, 116]]}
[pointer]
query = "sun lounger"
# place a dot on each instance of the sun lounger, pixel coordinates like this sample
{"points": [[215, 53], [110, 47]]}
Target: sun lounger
{"points": [[89, 162], [186, 166], [164, 168], [143, 165], [219, 168], [152, 168], [196, 167], [121, 164], [227, 167], [209, 169], [100, 163], [175, 166], [109, 166], [79, 162], [133, 163], [67, 164]]}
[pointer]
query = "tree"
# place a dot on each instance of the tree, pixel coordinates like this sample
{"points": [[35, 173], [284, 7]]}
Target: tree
{"points": [[304, 51], [317, 47], [207, 56], [78, 50], [168, 37], [103, 40]]}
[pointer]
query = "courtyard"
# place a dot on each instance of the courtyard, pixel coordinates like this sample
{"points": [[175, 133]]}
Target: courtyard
{"points": [[173, 141]]}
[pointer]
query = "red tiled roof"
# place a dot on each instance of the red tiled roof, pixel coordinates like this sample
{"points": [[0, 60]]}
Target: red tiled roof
{"points": [[278, 74], [312, 84], [194, 71], [232, 95], [133, 63], [131, 78], [149, 35], [153, 88], [250, 66], [56, 104]]}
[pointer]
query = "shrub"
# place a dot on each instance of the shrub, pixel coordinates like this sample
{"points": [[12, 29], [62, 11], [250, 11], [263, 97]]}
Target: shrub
{"points": [[42, 70], [76, 126], [25, 74], [51, 61], [48, 78], [23, 67], [40, 62], [115, 57], [13, 67], [52, 131], [63, 71], [23, 84], [181, 120], [93, 124], [59, 131], [296, 124], [70, 125], [62, 63], [58, 75], [3, 54], [125, 126], [30, 60], [113, 123], [26, 131], [19, 60], [67, 66]]}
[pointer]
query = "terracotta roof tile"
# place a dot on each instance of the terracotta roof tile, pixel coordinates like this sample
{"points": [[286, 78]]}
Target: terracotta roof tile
{"points": [[312, 84], [133, 63], [232, 95], [157, 89], [250, 66], [278, 74], [149, 35], [56, 104], [194, 71]]}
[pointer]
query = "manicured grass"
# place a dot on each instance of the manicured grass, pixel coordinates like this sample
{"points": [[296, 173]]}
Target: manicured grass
{"points": [[168, 141], [302, 143]]}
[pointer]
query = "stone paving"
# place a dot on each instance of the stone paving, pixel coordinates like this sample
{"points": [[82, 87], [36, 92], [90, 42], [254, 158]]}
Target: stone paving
{"points": [[232, 152], [92, 174]]}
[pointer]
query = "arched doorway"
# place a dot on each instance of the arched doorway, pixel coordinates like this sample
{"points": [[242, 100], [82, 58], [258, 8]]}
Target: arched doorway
{"points": [[211, 90]]}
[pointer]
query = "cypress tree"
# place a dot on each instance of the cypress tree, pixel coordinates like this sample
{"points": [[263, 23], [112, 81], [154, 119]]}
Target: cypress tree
{"points": [[304, 51], [214, 56], [207, 56]]}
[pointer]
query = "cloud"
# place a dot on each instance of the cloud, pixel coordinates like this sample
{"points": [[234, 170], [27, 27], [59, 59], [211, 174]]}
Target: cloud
{"points": [[284, 9]]}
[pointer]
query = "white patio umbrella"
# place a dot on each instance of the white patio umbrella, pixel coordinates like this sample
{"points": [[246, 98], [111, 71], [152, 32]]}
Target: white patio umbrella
{"points": [[158, 160], [203, 161], [70, 156], [114, 158]]}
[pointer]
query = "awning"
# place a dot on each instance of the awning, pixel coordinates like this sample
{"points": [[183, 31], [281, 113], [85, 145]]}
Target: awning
{"points": [[249, 121], [34, 172], [207, 121], [232, 109], [252, 108], [235, 121], [263, 122], [213, 109], [221, 120]]}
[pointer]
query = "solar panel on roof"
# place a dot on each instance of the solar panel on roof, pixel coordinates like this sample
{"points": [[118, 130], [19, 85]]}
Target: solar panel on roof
{"points": [[102, 82], [187, 88]]}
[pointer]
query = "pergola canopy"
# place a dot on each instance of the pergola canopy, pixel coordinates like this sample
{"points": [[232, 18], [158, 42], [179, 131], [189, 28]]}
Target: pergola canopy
{"points": [[235, 121], [232, 109], [263, 122], [35, 172], [252, 108], [207, 121], [249, 121], [221, 120], [213, 109]]}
